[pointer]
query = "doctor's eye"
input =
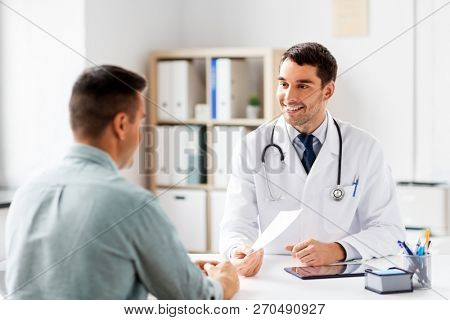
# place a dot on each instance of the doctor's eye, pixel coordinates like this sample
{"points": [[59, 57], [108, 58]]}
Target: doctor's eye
{"points": [[284, 85]]}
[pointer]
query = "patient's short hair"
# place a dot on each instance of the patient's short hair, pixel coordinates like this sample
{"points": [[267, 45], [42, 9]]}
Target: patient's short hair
{"points": [[99, 94]]}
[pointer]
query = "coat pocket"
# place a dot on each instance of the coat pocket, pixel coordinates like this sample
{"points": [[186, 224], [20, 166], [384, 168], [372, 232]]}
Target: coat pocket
{"points": [[339, 215]]}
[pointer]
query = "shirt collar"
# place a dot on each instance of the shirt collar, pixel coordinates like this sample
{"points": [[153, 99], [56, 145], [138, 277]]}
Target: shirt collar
{"points": [[320, 133], [93, 154]]}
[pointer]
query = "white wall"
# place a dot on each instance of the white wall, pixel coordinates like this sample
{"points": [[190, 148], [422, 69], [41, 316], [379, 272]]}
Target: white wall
{"points": [[124, 32], [38, 72], [37, 75], [375, 95], [433, 108]]}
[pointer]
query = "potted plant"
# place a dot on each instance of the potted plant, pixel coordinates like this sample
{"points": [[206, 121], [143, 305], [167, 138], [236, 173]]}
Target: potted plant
{"points": [[253, 108]]}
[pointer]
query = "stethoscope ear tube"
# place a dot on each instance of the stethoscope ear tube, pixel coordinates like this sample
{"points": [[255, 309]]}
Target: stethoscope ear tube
{"points": [[263, 155], [337, 193], [340, 152]]}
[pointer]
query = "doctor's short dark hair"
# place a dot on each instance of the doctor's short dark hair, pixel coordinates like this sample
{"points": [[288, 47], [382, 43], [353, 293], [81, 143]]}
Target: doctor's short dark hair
{"points": [[313, 54], [99, 94]]}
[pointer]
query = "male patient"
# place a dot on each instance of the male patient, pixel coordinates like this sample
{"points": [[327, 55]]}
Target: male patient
{"points": [[81, 231]]}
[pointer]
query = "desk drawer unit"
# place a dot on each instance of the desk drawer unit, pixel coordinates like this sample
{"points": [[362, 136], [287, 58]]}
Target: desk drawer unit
{"points": [[187, 211]]}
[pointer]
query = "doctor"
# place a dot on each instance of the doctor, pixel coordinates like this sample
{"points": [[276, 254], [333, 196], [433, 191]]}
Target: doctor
{"points": [[305, 159]]}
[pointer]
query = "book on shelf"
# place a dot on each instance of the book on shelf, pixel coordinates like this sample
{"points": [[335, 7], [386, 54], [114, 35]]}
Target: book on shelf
{"points": [[225, 138], [181, 155], [229, 88], [180, 88]]}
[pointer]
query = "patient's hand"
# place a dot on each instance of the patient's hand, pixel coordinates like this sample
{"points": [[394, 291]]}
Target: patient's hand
{"points": [[225, 273], [201, 264], [247, 262], [315, 253]]}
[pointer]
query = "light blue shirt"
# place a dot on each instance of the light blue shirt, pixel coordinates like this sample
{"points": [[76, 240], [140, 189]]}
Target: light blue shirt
{"points": [[319, 136], [81, 231]]}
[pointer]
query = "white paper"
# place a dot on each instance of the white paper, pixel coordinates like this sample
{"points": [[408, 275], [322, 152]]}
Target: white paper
{"points": [[281, 222]]}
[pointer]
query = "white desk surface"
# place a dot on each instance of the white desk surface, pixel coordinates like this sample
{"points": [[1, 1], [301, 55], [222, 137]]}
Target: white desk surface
{"points": [[272, 282]]}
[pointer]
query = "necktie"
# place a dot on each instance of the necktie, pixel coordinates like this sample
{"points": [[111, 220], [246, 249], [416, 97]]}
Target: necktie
{"points": [[308, 155]]}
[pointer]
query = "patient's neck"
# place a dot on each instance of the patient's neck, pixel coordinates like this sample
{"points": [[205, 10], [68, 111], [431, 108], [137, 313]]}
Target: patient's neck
{"points": [[104, 143]]}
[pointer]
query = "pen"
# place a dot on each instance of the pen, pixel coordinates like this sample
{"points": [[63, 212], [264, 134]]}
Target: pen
{"points": [[418, 244], [355, 183], [420, 251], [400, 244], [427, 236], [407, 249]]}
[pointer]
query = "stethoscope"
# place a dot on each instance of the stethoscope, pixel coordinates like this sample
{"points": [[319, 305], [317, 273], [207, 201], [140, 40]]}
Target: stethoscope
{"points": [[337, 193]]}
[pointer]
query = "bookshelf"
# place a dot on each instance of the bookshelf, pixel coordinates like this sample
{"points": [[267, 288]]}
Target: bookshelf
{"points": [[265, 62]]}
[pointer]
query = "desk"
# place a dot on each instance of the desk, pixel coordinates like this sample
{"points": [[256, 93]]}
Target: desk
{"points": [[272, 282]]}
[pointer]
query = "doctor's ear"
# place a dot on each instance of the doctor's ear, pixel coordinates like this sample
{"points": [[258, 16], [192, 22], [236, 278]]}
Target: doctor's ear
{"points": [[329, 90]]}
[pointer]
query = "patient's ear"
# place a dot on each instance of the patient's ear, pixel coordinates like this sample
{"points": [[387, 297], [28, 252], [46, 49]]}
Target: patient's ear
{"points": [[120, 125]]}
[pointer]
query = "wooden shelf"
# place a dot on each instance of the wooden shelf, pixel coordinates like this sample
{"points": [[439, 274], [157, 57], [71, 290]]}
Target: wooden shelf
{"points": [[233, 122], [182, 122], [206, 187], [201, 53], [239, 122], [265, 62], [186, 186]]}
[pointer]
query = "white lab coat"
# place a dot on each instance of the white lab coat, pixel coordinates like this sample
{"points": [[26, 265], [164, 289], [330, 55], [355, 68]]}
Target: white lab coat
{"points": [[370, 221]]}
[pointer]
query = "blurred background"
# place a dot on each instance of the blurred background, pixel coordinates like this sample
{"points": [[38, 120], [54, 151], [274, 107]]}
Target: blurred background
{"points": [[393, 80]]}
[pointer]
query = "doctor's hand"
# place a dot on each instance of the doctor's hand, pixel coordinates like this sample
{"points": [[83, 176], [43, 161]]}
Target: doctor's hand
{"points": [[247, 261], [314, 253], [225, 273]]}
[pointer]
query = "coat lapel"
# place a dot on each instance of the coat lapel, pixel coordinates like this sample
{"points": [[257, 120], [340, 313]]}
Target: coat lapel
{"points": [[294, 165], [328, 155]]}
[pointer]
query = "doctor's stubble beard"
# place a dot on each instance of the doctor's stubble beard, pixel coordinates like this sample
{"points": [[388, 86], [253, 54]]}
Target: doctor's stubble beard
{"points": [[304, 119]]}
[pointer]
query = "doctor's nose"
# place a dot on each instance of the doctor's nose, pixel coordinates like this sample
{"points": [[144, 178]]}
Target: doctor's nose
{"points": [[290, 98]]}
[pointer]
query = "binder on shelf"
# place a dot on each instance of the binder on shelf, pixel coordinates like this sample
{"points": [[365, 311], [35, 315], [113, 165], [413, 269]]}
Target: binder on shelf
{"points": [[187, 155], [196, 150], [180, 138], [180, 88], [186, 210], [213, 88], [232, 88], [165, 110], [224, 140], [163, 155]]}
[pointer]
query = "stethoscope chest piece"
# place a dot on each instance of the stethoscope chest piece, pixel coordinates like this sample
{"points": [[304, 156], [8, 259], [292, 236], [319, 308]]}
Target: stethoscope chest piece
{"points": [[337, 193]]}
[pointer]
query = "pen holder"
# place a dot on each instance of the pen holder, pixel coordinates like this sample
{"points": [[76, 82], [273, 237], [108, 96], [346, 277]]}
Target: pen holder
{"points": [[420, 267]]}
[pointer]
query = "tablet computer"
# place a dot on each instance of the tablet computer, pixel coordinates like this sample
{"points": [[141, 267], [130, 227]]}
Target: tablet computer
{"points": [[333, 271]]}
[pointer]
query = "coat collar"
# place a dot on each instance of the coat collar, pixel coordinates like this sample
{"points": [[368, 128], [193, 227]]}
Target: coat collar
{"points": [[327, 154]]}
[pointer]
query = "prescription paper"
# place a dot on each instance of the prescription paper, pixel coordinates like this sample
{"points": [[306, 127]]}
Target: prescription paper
{"points": [[281, 222]]}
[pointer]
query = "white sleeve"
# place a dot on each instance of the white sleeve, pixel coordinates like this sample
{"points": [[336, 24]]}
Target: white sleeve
{"points": [[378, 211], [240, 222], [351, 253]]}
